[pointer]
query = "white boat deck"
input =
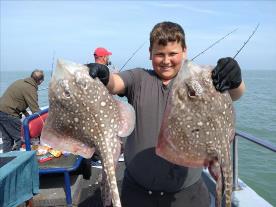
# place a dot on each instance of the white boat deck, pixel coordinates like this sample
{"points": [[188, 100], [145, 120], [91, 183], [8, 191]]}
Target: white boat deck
{"points": [[245, 197]]}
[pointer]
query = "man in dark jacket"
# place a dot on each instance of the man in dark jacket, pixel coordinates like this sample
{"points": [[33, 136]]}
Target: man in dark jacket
{"points": [[19, 96]]}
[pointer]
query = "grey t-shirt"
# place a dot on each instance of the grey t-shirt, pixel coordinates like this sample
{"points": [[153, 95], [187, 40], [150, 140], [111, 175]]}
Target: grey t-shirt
{"points": [[147, 94]]}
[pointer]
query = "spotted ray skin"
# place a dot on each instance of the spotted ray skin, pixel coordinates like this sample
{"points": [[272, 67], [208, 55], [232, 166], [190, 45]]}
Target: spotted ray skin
{"points": [[198, 127], [84, 116]]}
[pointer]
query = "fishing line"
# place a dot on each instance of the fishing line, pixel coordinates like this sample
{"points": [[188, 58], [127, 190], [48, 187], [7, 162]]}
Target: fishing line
{"points": [[52, 69], [53, 62], [214, 44], [246, 41], [119, 70], [133, 55], [192, 58]]}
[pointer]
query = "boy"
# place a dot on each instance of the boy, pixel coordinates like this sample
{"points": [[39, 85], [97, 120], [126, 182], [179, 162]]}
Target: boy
{"points": [[149, 180]]}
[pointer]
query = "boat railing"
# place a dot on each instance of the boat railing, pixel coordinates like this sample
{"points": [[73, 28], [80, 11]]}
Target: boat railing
{"points": [[264, 143]]}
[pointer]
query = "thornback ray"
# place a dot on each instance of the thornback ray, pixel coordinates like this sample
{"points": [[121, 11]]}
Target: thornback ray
{"points": [[84, 116], [198, 126]]}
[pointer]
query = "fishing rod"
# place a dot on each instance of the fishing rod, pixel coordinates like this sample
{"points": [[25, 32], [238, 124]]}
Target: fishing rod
{"points": [[214, 44], [53, 62], [191, 59], [119, 70], [247, 41], [52, 69], [133, 55]]}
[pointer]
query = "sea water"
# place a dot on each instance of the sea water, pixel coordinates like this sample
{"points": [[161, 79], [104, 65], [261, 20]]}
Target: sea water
{"points": [[255, 114]]}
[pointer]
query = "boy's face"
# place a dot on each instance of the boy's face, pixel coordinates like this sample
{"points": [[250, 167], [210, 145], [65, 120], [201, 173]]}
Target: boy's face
{"points": [[167, 60]]}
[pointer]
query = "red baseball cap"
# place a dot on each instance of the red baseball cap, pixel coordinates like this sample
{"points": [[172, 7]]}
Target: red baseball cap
{"points": [[100, 51]]}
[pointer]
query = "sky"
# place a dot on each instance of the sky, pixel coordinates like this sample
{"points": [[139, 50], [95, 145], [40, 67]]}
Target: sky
{"points": [[34, 34]]}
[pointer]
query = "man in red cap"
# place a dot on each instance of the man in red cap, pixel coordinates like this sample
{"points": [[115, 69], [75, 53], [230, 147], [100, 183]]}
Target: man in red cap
{"points": [[101, 56]]}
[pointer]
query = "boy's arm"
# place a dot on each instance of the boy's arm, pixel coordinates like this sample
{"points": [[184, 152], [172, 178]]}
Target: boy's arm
{"points": [[116, 84], [236, 93]]}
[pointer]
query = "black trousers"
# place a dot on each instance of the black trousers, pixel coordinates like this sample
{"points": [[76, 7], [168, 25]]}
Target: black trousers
{"points": [[196, 195], [10, 126]]}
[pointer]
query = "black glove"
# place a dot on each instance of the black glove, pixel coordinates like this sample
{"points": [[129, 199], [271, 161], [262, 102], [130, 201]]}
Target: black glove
{"points": [[100, 71], [227, 74]]}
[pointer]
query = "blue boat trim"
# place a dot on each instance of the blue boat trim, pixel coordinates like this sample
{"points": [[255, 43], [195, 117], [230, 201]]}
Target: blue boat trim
{"points": [[62, 170]]}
